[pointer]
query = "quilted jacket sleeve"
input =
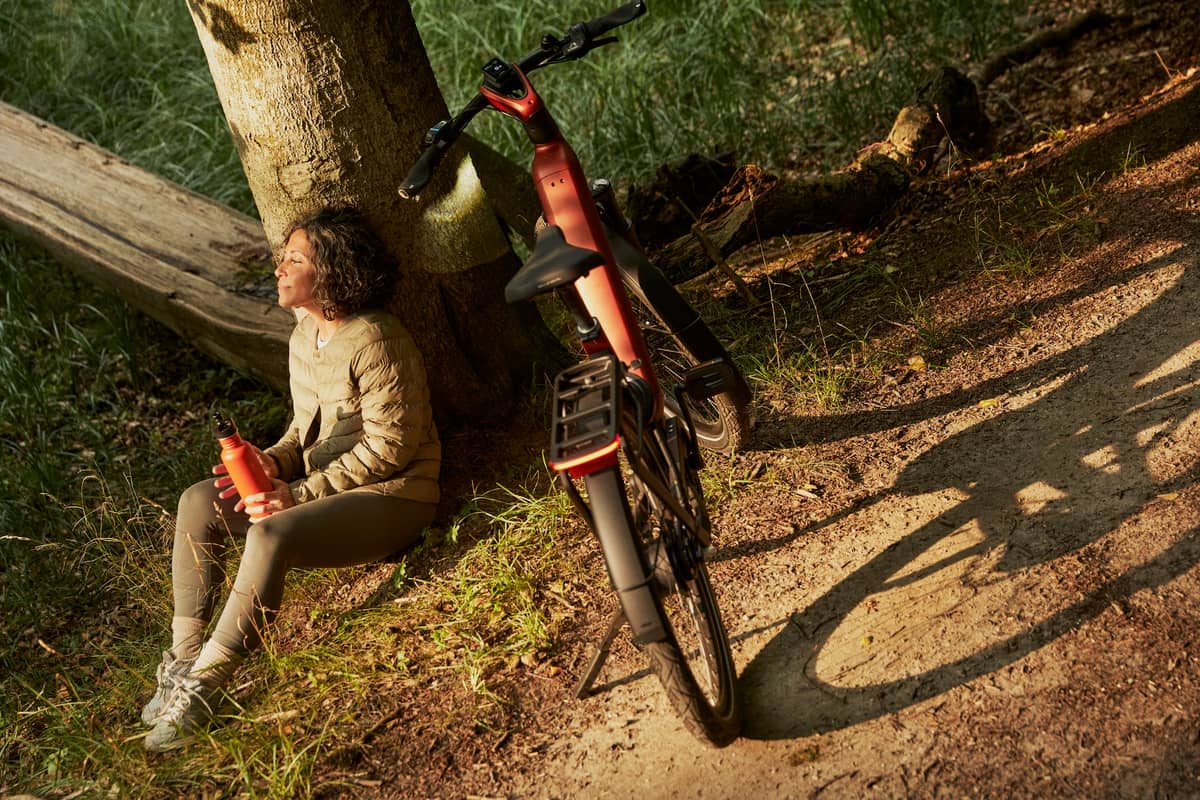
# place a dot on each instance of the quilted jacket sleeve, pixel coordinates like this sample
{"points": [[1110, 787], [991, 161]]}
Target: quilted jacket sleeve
{"points": [[396, 416], [287, 454]]}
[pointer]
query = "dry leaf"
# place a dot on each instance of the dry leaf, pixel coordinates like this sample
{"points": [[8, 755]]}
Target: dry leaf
{"points": [[991, 401], [1169, 496], [916, 363]]}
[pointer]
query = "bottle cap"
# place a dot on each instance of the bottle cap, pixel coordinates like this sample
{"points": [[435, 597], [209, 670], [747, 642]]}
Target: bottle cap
{"points": [[222, 424]]}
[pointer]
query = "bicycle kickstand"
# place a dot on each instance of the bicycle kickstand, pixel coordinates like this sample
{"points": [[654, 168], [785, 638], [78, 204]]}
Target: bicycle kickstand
{"points": [[614, 627]]}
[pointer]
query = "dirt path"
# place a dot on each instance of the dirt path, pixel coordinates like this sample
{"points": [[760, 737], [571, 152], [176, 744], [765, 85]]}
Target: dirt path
{"points": [[999, 597], [979, 578]]}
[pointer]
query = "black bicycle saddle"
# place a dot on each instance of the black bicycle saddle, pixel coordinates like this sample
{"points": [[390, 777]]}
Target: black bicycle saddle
{"points": [[552, 264]]}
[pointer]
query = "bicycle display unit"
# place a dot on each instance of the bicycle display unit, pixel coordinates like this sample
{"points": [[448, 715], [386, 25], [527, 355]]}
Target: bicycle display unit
{"points": [[629, 420]]}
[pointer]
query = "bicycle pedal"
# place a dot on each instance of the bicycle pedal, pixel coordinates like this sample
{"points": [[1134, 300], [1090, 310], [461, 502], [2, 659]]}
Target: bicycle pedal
{"points": [[709, 379]]}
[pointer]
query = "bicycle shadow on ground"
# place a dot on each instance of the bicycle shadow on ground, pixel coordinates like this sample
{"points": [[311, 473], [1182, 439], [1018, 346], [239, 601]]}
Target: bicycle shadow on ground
{"points": [[1009, 524]]}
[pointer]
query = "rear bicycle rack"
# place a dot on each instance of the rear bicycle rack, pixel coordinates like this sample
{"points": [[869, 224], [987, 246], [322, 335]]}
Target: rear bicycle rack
{"points": [[587, 415]]}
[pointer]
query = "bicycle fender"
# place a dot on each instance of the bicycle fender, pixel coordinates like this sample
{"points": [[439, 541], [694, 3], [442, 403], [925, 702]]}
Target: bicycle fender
{"points": [[630, 577]]}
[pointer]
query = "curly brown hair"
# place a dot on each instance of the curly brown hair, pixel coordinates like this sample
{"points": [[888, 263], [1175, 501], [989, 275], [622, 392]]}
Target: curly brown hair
{"points": [[353, 269]]}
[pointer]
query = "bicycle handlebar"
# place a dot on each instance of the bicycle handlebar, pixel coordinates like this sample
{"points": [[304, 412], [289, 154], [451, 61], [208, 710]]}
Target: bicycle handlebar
{"points": [[614, 19], [581, 39], [437, 141]]}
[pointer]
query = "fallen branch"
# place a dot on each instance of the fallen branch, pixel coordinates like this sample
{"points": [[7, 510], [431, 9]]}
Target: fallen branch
{"points": [[1027, 50], [755, 205]]}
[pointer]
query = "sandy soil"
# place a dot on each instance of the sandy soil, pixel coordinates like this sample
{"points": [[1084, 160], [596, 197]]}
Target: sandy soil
{"points": [[1001, 600]]}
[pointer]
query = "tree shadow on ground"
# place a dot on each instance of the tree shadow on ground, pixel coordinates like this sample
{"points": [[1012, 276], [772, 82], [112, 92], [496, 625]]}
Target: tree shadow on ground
{"points": [[1149, 136], [1034, 484]]}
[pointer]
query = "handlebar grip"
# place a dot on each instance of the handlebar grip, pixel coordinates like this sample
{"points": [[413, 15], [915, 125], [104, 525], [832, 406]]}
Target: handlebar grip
{"points": [[422, 171], [438, 141], [615, 19]]}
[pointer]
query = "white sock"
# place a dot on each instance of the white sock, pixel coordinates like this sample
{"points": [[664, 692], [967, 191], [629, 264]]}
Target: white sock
{"points": [[216, 664]]}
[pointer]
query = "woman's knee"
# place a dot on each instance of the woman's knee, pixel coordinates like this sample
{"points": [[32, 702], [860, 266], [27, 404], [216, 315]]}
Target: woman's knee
{"points": [[199, 509], [268, 538]]}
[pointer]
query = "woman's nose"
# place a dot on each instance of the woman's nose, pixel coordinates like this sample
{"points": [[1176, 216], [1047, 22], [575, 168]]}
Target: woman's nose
{"points": [[279, 270]]}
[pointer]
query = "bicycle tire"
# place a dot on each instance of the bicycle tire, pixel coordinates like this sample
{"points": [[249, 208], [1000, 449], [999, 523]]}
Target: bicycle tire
{"points": [[679, 339], [712, 714], [701, 686], [721, 423]]}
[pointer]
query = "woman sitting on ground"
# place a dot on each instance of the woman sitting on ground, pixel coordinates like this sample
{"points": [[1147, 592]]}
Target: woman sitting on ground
{"points": [[355, 476]]}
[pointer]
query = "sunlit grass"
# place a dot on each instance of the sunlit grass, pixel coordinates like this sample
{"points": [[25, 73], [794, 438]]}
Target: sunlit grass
{"points": [[1019, 237], [480, 605], [780, 84]]}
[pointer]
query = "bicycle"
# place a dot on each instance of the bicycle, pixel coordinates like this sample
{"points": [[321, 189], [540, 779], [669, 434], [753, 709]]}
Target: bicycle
{"points": [[634, 447]]}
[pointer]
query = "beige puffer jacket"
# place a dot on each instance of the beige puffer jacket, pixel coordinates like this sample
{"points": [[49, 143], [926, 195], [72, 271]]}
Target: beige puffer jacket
{"points": [[361, 413]]}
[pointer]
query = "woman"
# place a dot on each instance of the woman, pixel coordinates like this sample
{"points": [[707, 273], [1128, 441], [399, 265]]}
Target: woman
{"points": [[355, 475]]}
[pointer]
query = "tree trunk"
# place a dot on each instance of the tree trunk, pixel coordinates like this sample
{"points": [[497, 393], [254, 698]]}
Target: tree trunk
{"points": [[327, 101]]}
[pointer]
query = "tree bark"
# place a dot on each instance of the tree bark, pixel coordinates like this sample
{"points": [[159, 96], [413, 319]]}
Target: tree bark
{"points": [[327, 101], [509, 187]]}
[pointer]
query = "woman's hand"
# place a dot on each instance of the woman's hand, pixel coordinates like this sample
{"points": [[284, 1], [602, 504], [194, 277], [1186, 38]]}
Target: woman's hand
{"points": [[225, 483], [264, 504]]}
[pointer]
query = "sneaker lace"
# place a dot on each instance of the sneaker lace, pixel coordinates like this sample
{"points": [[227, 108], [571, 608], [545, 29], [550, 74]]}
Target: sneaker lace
{"points": [[187, 691]]}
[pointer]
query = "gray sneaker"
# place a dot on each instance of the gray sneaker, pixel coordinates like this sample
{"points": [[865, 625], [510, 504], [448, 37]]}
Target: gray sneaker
{"points": [[189, 710], [169, 673]]}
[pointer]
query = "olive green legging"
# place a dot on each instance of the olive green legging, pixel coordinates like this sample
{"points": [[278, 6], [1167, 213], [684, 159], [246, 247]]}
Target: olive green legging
{"points": [[354, 527]]}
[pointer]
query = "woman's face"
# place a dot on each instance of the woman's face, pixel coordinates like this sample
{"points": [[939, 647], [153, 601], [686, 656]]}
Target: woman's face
{"points": [[296, 274]]}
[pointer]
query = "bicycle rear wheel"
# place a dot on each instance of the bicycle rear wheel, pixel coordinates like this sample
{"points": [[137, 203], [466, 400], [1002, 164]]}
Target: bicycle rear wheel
{"points": [[678, 339], [692, 660]]}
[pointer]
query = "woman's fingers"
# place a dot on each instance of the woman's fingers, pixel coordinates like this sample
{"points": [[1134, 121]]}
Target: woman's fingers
{"points": [[269, 464], [263, 504]]}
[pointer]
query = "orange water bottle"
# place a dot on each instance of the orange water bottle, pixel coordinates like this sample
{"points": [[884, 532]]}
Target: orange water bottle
{"points": [[239, 459]]}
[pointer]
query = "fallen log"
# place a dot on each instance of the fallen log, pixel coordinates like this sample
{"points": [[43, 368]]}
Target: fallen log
{"points": [[945, 113], [187, 261], [172, 254], [755, 205]]}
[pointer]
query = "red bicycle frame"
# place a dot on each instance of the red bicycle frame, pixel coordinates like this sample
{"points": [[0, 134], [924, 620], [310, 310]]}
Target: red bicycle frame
{"points": [[567, 202]]}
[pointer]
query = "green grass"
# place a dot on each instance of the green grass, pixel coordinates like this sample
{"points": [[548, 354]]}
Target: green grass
{"points": [[481, 606], [783, 83], [796, 84], [128, 75], [1017, 236]]}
